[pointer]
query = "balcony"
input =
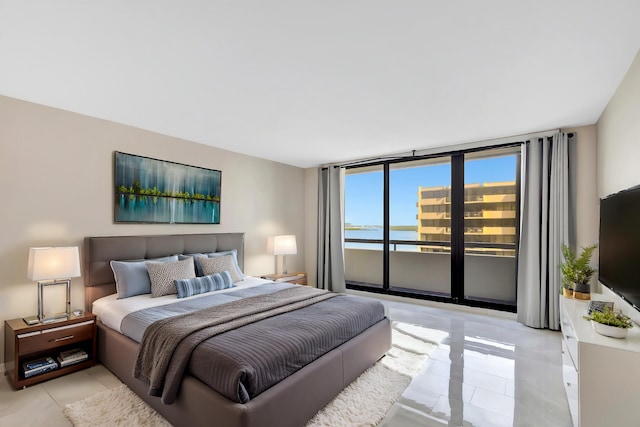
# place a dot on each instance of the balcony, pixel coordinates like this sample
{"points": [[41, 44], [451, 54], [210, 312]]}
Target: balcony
{"points": [[496, 198], [434, 201], [498, 214], [488, 277], [510, 231], [433, 215], [435, 230]]}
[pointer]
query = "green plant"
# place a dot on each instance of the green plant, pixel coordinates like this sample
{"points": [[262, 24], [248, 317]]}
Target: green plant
{"points": [[611, 318], [576, 270]]}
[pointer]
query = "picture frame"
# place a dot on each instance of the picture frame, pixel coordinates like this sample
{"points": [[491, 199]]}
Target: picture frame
{"points": [[148, 190]]}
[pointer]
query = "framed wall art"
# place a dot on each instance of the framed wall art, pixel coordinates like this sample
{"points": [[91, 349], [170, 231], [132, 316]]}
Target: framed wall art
{"points": [[149, 190]]}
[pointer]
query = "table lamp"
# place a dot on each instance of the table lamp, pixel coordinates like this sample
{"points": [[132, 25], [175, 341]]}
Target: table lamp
{"points": [[284, 245], [52, 266]]}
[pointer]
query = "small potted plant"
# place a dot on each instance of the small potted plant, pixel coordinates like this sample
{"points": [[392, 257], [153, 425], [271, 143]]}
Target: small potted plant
{"points": [[577, 273], [610, 323]]}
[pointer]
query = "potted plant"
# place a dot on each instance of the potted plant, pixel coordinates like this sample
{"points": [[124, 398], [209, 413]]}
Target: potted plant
{"points": [[610, 323], [576, 272]]}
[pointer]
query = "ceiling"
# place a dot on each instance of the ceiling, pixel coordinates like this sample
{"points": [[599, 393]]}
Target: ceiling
{"points": [[312, 82]]}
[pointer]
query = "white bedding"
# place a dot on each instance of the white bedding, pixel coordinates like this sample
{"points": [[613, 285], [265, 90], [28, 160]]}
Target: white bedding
{"points": [[111, 310]]}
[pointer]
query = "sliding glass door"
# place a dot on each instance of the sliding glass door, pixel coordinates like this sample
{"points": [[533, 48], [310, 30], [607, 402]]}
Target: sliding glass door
{"points": [[490, 225], [363, 228], [419, 224], [442, 227]]}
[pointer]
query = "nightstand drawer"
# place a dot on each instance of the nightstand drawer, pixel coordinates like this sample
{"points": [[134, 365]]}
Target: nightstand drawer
{"points": [[55, 337]]}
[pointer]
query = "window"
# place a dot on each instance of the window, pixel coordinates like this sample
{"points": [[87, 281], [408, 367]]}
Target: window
{"points": [[363, 228], [449, 223]]}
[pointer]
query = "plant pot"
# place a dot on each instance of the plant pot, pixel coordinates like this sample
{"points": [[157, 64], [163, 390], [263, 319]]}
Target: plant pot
{"points": [[582, 291], [567, 293], [609, 331]]}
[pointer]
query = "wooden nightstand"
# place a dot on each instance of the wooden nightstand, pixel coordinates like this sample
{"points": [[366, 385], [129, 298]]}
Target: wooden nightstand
{"points": [[24, 343], [297, 278]]}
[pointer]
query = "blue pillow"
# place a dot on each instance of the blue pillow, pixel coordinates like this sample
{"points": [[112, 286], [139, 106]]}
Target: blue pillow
{"points": [[132, 277], [199, 285]]}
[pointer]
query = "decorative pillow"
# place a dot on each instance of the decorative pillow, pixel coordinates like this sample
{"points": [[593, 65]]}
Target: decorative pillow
{"points": [[234, 254], [195, 261], [218, 264], [162, 276], [199, 285], [132, 277]]}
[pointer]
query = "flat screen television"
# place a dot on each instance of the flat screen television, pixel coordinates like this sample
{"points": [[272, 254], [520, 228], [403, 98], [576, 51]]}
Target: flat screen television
{"points": [[619, 245]]}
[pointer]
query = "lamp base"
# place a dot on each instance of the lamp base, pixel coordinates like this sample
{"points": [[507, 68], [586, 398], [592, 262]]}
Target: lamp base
{"points": [[55, 317], [31, 320]]}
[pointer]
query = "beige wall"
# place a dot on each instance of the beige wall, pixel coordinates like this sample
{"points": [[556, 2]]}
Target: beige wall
{"points": [[311, 223], [584, 185], [56, 187], [618, 148], [619, 136]]}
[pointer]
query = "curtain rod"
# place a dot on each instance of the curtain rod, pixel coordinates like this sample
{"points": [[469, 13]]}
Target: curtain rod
{"points": [[490, 143]]}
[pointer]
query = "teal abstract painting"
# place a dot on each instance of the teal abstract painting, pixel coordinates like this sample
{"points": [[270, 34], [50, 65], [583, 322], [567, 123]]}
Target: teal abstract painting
{"points": [[149, 190]]}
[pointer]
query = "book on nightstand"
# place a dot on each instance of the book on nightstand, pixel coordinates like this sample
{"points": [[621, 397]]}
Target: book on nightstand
{"points": [[39, 366], [72, 356]]}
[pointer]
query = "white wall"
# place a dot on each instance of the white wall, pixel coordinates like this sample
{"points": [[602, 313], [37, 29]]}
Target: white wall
{"points": [[57, 187]]}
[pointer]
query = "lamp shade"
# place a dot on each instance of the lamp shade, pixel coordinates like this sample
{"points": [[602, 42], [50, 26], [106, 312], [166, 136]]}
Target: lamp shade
{"points": [[53, 263], [285, 245]]}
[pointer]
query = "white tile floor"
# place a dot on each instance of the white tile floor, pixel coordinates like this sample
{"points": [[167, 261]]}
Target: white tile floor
{"points": [[490, 371], [41, 405]]}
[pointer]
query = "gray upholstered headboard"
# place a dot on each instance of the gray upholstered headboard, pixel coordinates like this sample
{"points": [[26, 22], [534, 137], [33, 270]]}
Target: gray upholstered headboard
{"points": [[99, 251]]}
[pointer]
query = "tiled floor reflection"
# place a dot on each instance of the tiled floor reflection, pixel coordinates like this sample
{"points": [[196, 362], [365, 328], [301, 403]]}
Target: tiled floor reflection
{"points": [[490, 371], [41, 404]]}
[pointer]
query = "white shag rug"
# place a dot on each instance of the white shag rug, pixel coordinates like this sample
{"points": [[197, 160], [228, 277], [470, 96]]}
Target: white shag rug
{"points": [[364, 402]]}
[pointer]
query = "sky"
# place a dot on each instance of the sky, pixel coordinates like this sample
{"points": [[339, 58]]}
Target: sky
{"points": [[363, 192]]}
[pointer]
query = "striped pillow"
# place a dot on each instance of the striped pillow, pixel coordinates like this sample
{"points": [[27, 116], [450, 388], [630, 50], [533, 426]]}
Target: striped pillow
{"points": [[199, 285]]}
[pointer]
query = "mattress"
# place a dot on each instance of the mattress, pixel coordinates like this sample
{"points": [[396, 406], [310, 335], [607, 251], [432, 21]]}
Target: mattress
{"points": [[243, 362], [111, 310]]}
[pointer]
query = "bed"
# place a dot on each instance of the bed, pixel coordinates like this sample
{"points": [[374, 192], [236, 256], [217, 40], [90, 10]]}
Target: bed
{"points": [[291, 401]]}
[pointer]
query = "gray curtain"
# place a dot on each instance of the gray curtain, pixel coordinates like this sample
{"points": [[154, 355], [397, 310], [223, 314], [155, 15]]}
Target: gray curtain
{"points": [[330, 274], [544, 227]]}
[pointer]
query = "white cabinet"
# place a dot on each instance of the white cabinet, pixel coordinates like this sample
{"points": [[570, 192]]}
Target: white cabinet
{"points": [[601, 374]]}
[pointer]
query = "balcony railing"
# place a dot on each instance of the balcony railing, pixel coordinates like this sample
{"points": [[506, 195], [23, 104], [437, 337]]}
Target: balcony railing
{"points": [[471, 247], [490, 268], [394, 243]]}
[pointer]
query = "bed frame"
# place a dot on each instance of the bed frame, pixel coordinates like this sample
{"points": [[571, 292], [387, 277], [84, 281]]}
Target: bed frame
{"points": [[291, 402]]}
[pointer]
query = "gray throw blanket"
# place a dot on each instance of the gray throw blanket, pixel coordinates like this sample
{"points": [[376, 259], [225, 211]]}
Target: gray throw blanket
{"points": [[164, 352]]}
